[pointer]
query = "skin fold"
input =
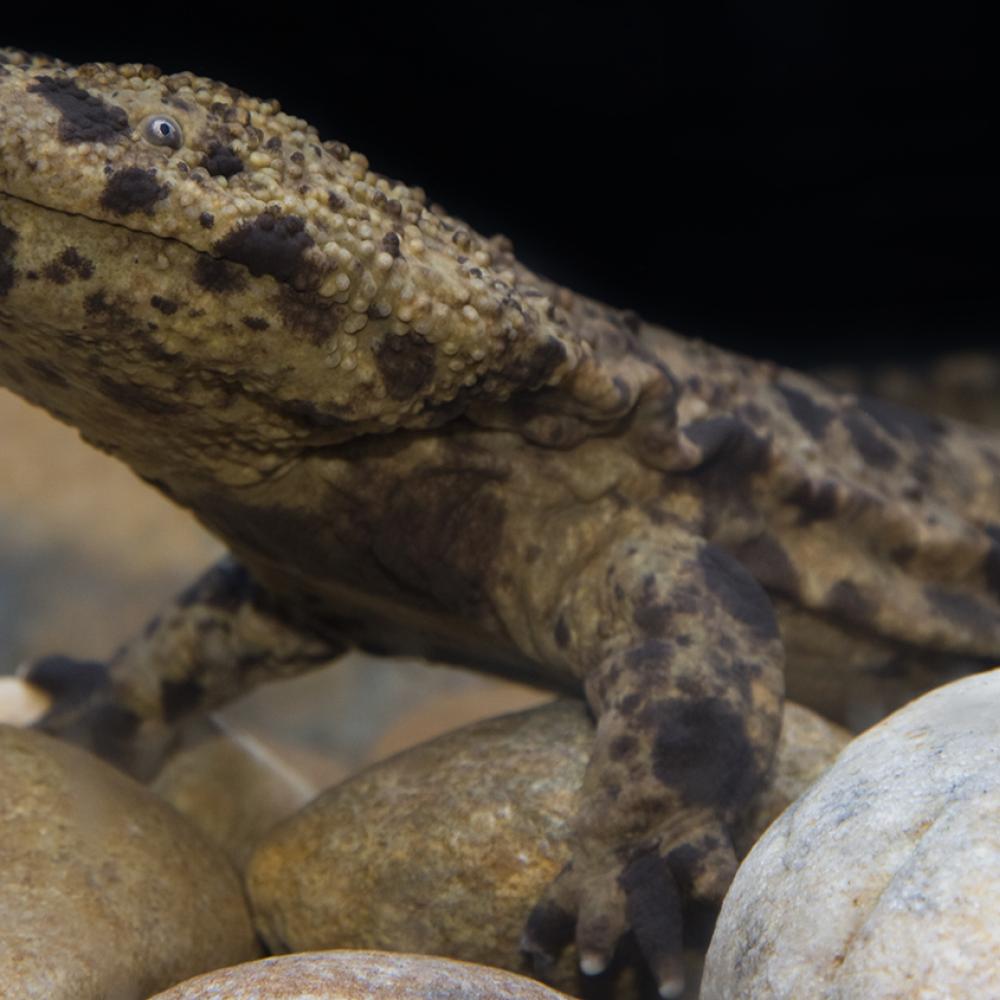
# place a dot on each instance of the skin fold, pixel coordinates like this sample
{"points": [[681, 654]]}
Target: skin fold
{"points": [[412, 444]]}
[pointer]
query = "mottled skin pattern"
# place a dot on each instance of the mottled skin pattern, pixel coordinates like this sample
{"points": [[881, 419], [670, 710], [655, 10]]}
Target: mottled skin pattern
{"points": [[411, 443]]}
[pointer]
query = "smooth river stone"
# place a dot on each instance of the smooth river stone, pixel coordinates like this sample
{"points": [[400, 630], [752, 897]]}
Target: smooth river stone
{"points": [[233, 789], [883, 880], [106, 893], [359, 975], [444, 848]]}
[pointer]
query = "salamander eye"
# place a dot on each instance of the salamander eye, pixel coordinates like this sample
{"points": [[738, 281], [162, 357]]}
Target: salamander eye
{"points": [[161, 130]]}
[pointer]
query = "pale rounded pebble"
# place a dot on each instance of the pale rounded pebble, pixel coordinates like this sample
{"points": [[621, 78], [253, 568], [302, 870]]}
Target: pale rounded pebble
{"points": [[105, 891], [21, 703], [359, 975], [444, 848], [883, 880], [438, 850]]}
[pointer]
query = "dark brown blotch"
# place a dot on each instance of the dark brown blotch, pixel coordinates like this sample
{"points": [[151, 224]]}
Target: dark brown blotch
{"points": [[561, 633], [737, 591], [730, 444], [390, 244], [56, 274], [652, 619], [179, 698], [317, 317], [539, 366], [270, 244], [112, 315], [902, 555], [651, 655], [70, 682], [73, 260], [256, 323], [133, 189], [622, 747], [406, 364], [8, 237], [701, 751], [866, 438], [813, 417], [206, 220], [67, 266], [226, 587], [221, 161], [846, 600], [166, 306], [218, 276], [549, 928], [629, 705], [83, 117], [767, 561], [817, 500]]}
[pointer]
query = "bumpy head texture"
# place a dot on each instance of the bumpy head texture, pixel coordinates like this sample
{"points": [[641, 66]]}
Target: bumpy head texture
{"points": [[389, 314]]}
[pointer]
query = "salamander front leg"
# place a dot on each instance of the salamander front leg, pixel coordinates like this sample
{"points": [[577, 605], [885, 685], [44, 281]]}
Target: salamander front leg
{"points": [[219, 638], [680, 656]]}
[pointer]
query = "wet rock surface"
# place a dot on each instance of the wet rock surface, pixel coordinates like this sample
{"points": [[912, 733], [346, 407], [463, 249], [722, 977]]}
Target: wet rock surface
{"points": [[439, 850], [105, 891], [82, 569], [234, 787], [443, 849], [359, 975], [883, 880]]}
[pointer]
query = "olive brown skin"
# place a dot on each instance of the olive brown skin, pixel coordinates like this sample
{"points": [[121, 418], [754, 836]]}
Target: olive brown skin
{"points": [[412, 444]]}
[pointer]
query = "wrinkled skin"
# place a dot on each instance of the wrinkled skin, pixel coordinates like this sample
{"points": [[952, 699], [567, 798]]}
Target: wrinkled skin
{"points": [[412, 444]]}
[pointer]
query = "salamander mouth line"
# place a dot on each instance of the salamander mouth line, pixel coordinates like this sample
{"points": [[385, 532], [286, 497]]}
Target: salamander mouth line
{"points": [[61, 212]]}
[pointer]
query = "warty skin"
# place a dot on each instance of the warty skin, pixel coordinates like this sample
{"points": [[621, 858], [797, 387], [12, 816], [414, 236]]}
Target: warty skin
{"points": [[413, 444]]}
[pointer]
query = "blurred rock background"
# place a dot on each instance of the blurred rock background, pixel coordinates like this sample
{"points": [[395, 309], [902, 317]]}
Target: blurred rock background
{"points": [[88, 553]]}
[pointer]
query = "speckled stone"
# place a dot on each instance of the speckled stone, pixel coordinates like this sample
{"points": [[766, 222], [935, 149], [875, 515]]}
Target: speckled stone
{"points": [[444, 848], [105, 891], [359, 975], [439, 850], [883, 880]]}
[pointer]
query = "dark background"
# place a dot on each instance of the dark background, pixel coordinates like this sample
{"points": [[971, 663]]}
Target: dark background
{"points": [[798, 180]]}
